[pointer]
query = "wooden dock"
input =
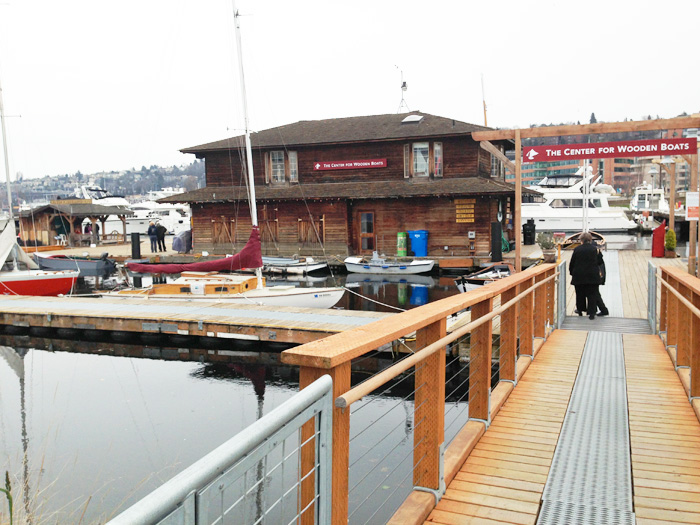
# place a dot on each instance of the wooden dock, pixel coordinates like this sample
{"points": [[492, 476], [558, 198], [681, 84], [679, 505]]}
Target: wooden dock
{"points": [[179, 318]]}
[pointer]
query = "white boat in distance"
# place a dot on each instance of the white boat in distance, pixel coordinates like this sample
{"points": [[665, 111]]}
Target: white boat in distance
{"points": [[562, 209], [291, 265], [649, 199], [379, 265]]}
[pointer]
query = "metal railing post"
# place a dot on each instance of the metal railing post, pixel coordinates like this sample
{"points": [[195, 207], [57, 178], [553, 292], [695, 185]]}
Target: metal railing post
{"points": [[651, 297], [561, 294]]}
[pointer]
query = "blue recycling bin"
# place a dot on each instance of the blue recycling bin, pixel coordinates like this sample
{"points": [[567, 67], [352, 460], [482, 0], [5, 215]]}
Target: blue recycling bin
{"points": [[419, 242]]}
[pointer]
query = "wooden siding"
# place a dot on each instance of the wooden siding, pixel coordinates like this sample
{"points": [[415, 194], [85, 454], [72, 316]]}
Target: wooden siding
{"points": [[461, 158], [222, 228]]}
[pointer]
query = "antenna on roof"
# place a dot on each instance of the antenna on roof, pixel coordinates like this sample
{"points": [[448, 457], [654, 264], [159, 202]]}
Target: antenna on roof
{"points": [[404, 87]]}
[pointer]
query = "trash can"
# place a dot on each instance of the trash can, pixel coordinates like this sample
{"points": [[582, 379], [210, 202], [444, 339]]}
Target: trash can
{"points": [[401, 244], [658, 240], [529, 232], [419, 242]]}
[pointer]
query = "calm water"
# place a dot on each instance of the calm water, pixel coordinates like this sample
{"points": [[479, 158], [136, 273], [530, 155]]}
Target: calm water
{"points": [[100, 431]]}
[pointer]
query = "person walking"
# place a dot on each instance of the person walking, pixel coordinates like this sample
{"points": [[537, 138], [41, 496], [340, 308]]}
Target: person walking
{"points": [[160, 233], [585, 275], [153, 236], [600, 305]]}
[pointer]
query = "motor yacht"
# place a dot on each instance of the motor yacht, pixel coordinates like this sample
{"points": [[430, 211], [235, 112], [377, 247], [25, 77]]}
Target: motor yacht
{"points": [[560, 205]]}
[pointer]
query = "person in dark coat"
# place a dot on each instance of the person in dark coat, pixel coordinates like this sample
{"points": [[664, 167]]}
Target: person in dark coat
{"points": [[602, 309], [585, 275], [153, 236], [160, 234]]}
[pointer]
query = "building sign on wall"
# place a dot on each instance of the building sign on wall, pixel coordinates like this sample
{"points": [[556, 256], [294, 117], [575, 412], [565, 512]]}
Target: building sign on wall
{"points": [[465, 210], [349, 164], [603, 150]]}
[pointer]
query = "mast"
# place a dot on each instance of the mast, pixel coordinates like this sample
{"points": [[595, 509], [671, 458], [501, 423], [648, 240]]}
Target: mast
{"points": [[7, 162], [248, 147]]}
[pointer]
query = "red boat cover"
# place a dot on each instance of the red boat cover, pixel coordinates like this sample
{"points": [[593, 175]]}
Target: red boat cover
{"points": [[249, 257]]}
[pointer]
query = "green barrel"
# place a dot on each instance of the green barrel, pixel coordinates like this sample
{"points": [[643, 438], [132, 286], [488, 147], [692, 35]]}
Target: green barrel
{"points": [[401, 244]]}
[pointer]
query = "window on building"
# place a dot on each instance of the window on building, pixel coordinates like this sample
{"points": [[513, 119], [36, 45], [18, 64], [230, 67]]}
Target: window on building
{"points": [[277, 166], [293, 167], [281, 166], [437, 154], [421, 159]]}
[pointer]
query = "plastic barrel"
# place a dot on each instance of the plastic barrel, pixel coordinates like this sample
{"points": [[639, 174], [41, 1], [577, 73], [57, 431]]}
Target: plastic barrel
{"points": [[401, 244], [419, 242]]}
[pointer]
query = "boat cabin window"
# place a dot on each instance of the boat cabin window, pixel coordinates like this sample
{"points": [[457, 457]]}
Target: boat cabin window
{"points": [[221, 289]]}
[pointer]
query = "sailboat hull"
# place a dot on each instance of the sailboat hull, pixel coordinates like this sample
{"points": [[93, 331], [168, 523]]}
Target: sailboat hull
{"points": [[292, 296], [37, 282]]}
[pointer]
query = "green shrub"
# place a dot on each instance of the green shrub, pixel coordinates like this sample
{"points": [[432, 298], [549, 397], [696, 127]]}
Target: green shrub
{"points": [[545, 240], [670, 240]]}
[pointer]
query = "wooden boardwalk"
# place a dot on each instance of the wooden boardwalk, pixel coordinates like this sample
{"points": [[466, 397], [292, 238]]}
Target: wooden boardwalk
{"points": [[503, 479]]}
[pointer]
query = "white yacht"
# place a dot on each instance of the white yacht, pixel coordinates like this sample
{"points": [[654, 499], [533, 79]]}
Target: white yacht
{"points": [[562, 200], [100, 196], [647, 198]]}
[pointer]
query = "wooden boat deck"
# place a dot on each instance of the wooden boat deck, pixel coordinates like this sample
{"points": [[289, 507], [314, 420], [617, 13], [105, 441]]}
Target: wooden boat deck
{"points": [[504, 477]]}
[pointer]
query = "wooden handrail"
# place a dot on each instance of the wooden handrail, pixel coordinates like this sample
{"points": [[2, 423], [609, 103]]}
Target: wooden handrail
{"points": [[340, 348], [690, 306], [383, 377]]}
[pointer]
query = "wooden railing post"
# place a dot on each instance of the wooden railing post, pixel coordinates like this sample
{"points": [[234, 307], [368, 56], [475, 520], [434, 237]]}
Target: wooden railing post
{"points": [[695, 349], [551, 293], [672, 315], [480, 364], [525, 318], [509, 337], [684, 315], [429, 422], [341, 446]]}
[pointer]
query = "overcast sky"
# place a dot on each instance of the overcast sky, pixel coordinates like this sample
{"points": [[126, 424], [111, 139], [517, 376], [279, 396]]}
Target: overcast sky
{"points": [[93, 85]]}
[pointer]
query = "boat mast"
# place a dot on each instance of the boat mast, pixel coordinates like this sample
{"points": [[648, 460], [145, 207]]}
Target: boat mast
{"points": [[248, 147], [11, 218]]}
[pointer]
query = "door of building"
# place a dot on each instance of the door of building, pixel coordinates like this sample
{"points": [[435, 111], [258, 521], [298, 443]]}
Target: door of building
{"points": [[367, 237]]}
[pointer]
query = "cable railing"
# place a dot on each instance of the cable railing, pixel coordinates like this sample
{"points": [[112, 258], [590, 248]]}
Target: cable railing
{"points": [[401, 433], [275, 471]]}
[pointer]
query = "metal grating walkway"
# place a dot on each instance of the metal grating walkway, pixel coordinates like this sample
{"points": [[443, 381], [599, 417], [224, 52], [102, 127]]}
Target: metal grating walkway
{"points": [[607, 324], [590, 481]]}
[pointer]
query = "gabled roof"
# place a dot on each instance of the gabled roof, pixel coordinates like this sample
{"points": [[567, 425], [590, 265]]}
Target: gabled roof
{"points": [[474, 186], [347, 130], [80, 210]]}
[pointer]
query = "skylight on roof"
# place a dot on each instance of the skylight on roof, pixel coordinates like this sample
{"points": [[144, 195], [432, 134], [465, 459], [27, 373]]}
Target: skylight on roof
{"points": [[412, 119]]}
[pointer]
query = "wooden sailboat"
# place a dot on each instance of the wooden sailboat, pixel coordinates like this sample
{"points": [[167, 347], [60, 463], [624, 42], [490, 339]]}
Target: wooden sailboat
{"points": [[207, 284]]}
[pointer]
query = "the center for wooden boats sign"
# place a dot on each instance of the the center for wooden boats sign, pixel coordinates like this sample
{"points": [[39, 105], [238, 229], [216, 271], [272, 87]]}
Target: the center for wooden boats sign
{"points": [[349, 164], [601, 150]]}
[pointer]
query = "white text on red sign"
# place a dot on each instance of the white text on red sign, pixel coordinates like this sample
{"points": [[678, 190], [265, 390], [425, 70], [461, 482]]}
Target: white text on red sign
{"points": [[349, 164], [599, 150]]}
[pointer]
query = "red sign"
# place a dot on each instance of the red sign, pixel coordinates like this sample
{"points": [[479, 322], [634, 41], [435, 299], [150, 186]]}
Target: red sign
{"points": [[604, 150], [349, 164]]}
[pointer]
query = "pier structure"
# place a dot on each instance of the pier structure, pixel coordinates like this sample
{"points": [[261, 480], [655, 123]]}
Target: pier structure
{"points": [[585, 421]]}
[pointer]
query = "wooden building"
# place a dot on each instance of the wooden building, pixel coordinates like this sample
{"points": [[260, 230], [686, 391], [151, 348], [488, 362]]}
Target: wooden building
{"points": [[349, 186], [61, 222]]}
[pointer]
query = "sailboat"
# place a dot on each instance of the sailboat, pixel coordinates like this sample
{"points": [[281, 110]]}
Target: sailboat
{"points": [[31, 280], [200, 281]]}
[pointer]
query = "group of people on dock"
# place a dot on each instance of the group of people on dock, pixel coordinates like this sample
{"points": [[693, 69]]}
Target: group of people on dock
{"points": [[156, 234], [587, 270]]}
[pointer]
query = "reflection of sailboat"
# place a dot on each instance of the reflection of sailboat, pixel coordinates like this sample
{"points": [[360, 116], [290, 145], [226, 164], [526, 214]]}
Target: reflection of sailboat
{"points": [[234, 288], [16, 362]]}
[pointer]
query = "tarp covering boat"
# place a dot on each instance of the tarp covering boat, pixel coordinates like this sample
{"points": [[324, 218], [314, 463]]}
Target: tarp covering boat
{"points": [[249, 257]]}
